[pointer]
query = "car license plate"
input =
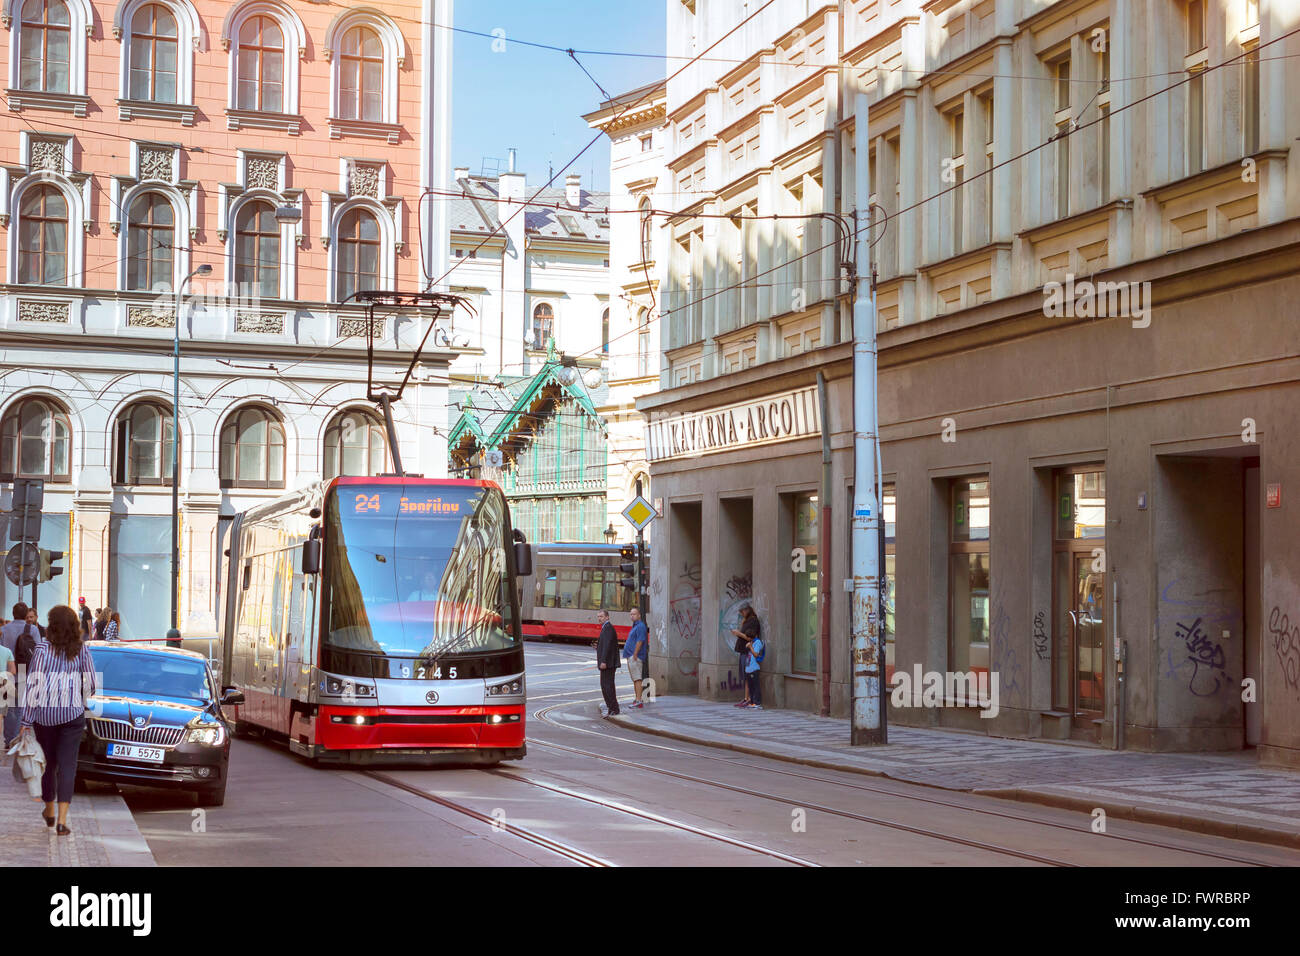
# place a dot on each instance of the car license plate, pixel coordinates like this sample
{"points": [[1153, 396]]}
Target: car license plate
{"points": [[132, 752]]}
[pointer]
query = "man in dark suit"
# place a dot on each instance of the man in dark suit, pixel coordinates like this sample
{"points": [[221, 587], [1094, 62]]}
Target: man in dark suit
{"points": [[607, 659]]}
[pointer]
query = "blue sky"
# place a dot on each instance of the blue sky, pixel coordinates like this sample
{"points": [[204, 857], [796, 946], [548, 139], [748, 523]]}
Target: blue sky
{"points": [[534, 99]]}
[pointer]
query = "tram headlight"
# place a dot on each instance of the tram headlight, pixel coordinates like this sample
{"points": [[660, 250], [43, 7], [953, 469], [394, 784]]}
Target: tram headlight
{"points": [[343, 687], [507, 689], [210, 735]]}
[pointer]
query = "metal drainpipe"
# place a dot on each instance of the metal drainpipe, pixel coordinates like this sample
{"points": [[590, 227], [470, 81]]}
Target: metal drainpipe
{"points": [[824, 525]]}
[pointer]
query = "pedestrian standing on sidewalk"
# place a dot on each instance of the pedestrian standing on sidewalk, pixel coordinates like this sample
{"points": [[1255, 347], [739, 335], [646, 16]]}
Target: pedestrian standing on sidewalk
{"points": [[749, 631], [114, 625], [60, 683], [8, 684], [101, 622], [86, 620], [607, 659], [636, 649], [753, 662], [9, 635]]}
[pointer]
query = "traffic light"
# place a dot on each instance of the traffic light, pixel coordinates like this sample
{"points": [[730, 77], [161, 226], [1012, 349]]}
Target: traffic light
{"points": [[628, 566], [645, 569], [47, 564]]}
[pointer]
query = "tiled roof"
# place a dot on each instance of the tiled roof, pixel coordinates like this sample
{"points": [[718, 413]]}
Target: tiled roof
{"points": [[589, 222]]}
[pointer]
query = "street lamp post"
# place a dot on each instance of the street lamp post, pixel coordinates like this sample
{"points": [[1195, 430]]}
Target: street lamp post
{"points": [[174, 634]]}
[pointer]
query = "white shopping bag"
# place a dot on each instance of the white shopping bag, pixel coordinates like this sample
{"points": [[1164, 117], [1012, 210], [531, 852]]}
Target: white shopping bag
{"points": [[29, 762]]}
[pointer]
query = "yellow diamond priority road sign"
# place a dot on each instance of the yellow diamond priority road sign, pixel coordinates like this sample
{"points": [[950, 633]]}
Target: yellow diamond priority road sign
{"points": [[639, 513]]}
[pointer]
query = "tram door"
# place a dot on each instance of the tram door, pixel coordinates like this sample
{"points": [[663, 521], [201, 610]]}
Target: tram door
{"points": [[1079, 645]]}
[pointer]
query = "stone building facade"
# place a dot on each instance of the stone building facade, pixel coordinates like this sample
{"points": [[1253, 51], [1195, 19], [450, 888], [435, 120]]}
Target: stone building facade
{"points": [[1086, 303]]}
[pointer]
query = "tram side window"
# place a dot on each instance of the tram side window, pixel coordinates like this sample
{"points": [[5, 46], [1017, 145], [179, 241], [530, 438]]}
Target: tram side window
{"points": [[568, 586], [593, 582], [548, 595]]}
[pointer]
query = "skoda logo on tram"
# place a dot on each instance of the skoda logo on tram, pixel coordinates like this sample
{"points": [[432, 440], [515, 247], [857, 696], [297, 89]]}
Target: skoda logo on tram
{"points": [[431, 697]]}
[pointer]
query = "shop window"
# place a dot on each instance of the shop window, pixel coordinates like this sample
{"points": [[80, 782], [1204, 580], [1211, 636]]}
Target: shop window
{"points": [[969, 575], [804, 623]]}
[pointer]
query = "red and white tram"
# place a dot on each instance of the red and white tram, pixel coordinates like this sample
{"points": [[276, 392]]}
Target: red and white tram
{"points": [[376, 619], [569, 584]]}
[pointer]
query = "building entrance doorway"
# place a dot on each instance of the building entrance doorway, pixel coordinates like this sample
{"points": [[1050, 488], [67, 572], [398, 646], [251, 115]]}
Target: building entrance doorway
{"points": [[1079, 558]]}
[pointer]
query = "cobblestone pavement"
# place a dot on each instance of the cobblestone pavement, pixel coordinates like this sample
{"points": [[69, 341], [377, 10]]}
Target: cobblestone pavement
{"points": [[103, 830], [1224, 793]]}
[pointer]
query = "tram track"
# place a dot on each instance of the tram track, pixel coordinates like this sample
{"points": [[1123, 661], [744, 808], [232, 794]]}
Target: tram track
{"points": [[565, 850], [568, 850], [544, 715]]}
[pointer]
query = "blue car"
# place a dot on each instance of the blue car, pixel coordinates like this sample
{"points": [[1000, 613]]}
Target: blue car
{"points": [[157, 721]]}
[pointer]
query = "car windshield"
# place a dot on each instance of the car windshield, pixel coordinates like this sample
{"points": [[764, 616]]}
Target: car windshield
{"points": [[417, 570], [134, 674]]}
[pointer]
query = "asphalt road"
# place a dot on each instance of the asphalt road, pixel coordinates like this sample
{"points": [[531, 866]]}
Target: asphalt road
{"points": [[590, 793]]}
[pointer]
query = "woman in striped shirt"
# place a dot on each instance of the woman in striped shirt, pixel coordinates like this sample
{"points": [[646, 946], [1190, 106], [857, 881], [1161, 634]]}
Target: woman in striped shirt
{"points": [[60, 683]]}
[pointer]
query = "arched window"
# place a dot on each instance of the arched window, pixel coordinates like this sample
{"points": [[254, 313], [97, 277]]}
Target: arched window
{"points": [[43, 236], [358, 253], [257, 250], [604, 331], [260, 65], [36, 441], [361, 75], [355, 444], [145, 440], [647, 245], [252, 450], [154, 51], [643, 342], [543, 325], [45, 46], [151, 234]]}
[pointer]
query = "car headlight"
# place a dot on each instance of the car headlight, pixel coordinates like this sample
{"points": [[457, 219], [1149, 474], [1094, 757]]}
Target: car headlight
{"points": [[210, 735], [507, 689]]}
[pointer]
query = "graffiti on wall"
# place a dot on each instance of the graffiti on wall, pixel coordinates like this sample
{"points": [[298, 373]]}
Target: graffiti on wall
{"points": [[684, 615], [1003, 658], [1205, 656], [737, 592], [1041, 649], [1286, 644], [1192, 655]]}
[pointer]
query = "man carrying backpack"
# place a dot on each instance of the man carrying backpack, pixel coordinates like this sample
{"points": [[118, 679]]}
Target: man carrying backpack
{"points": [[9, 639]]}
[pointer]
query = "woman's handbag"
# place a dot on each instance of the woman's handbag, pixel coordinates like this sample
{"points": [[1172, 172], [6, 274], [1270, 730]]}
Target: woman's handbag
{"points": [[29, 762]]}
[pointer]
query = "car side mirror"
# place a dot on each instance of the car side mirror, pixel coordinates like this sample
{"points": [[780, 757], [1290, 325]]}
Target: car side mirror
{"points": [[230, 696], [311, 556]]}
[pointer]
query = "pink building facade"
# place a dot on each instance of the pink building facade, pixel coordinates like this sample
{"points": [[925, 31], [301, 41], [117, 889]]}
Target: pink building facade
{"points": [[286, 146]]}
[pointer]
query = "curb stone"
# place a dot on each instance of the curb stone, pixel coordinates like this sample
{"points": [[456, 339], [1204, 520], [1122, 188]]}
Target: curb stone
{"points": [[1210, 826]]}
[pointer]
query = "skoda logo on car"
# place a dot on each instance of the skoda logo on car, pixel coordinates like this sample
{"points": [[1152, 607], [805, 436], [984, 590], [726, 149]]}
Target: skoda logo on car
{"points": [[431, 697], [138, 721]]}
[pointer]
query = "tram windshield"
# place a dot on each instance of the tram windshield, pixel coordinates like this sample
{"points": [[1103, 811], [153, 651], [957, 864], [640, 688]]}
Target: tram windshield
{"points": [[417, 570]]}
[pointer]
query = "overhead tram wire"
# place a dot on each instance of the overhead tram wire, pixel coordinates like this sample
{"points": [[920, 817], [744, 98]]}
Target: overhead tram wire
{"points": [[1077, 128]]}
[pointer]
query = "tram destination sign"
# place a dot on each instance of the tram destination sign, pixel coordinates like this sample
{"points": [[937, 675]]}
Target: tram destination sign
{"points": [[762, 421]]}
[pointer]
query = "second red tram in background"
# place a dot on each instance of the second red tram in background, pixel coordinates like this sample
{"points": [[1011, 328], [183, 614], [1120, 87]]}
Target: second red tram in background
{"points": [[569, 584]]}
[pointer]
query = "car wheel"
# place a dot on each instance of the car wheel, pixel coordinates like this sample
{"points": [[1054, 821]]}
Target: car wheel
{"points": [[79, 785], [212, 798]]}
